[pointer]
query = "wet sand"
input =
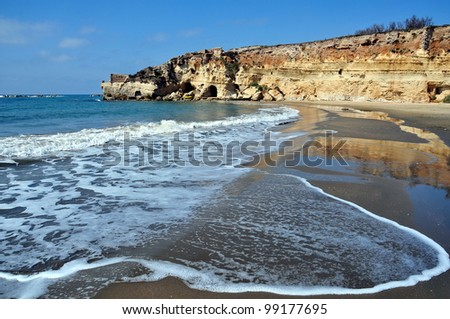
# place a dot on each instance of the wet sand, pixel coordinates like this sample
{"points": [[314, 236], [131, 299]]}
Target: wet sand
{"points": [[433, 117], [387, 161]]}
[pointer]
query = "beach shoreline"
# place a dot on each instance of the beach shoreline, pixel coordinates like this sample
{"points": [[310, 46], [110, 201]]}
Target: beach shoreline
{"points": [[383, 191], [433, 117]]}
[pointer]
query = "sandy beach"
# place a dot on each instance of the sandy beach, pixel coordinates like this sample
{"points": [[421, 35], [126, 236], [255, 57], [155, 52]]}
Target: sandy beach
{"points": [[399, 155]]}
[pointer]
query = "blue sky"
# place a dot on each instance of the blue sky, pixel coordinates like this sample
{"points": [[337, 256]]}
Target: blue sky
{"points": [[71, 46]]}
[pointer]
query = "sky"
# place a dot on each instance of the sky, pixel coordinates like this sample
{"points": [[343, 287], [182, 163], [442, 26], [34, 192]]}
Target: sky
{"points": [[69, 47]]}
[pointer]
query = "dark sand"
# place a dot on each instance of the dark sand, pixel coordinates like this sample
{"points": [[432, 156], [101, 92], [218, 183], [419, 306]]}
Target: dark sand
{"points": [[386, 158], [429, 116]]}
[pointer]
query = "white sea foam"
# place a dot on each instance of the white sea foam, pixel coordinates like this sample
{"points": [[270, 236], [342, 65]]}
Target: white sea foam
{"points": [[68, 269], [35, 285], [204, 275], [32, 146], [206, 278], [83, 207], [8, 161], [64, 208], [209, 281]]}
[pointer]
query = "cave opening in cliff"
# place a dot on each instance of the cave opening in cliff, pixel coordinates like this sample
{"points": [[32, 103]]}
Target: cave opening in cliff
{"points": [[186, 87], [211, 91], [137, 94]]}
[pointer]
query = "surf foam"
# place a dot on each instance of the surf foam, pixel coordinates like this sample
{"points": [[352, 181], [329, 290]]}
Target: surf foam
{"points": [[36, 146], [204, 276]]}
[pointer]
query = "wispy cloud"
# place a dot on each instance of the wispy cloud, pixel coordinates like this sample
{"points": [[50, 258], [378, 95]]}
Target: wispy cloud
{"points": [[190, 33], [61, 58], [54, 57], [161, 37], [88, 30], [68, 43], [158, 37], [14, 32]]}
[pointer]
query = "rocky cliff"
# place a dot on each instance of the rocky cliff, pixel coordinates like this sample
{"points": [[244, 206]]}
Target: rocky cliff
{"points": [[400, 66]]}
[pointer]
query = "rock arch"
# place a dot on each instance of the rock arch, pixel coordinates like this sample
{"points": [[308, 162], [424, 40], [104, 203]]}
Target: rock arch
{"points": [[210, 91]]}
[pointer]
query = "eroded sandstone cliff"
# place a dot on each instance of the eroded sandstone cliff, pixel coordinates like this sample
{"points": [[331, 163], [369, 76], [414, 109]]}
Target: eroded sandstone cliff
{"points": [[396, 66]]}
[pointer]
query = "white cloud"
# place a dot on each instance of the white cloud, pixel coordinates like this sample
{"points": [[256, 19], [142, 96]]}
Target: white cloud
{"points": [[68, 43], [14, 32], [59, 58]]}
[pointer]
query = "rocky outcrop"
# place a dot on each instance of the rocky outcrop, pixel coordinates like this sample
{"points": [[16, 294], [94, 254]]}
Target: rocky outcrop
{"points": [[398, 66]]}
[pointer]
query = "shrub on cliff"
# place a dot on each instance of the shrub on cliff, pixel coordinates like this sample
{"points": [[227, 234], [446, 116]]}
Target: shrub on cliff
{"points": [[231, 68], [409, 24], [446, 99], [259, 88], [417, 23]]}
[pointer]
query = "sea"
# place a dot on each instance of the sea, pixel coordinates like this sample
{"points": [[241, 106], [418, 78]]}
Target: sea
{"points": [[95, 192]]}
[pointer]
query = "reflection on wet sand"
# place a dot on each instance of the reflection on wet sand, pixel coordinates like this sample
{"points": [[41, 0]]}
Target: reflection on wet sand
{"points": [[418, 163], [425, 162]]}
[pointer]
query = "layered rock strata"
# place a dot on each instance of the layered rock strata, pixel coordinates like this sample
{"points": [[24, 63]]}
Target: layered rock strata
{"points": [[399, 66]]}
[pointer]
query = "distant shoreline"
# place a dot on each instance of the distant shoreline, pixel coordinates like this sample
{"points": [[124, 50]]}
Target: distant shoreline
{"points": [[19, 96]]}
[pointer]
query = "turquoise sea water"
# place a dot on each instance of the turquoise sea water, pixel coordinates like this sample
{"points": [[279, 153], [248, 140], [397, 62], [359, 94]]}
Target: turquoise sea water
{"points": [[91, 189], [76, 112]]}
